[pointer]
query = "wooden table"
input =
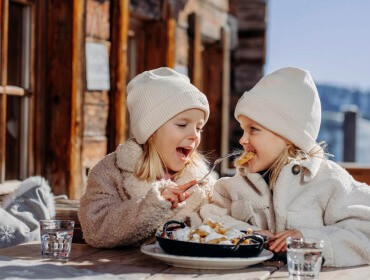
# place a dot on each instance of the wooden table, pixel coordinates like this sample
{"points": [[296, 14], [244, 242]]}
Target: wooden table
{"points": [[24, 261]]}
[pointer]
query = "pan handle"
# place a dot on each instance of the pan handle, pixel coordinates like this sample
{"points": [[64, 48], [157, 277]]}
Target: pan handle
{"points": [[258, 238], [165, 226]]}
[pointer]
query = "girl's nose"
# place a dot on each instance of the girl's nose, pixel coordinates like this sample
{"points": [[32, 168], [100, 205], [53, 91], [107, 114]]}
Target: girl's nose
{"points": [[244, 140], [194, 135]]}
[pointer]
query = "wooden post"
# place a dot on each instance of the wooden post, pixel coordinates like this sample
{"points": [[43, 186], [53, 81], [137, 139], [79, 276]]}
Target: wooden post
{"points": [[225, 120], [4, 8], [170, 37], [75, 184], [349, 134], [118, 73], [195, 50], [40, 122]]}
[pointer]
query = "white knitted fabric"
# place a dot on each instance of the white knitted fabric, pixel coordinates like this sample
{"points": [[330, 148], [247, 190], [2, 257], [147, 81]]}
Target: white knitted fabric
{"points": [[156, 96], [287, 103]]}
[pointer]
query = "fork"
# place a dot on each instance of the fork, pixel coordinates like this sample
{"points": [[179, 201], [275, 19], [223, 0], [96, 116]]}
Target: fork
{"points": [[216, 162]]}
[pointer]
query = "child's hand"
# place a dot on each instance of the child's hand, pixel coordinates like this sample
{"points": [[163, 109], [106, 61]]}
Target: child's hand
{"points": [[279, 244], [177, 194], [268, 233]]}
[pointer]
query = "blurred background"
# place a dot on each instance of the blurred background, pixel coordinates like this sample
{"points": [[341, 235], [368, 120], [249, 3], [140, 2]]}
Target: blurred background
{"points": [[331, 40], [65, 65]]}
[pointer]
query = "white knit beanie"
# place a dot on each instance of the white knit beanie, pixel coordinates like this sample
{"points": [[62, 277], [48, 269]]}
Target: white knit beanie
{"points": [[156, 96], [287, 103]]}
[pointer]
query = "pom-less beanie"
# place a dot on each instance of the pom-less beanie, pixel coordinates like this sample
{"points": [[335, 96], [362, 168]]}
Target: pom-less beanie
{"points": [[287, 103], [156, 96]]}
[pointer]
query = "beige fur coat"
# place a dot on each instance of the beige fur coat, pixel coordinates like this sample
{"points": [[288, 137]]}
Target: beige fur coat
{"points": [[119, 209], [321, 201]]}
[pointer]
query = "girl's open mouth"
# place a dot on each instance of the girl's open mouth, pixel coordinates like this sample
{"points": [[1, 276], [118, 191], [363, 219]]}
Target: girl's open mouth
{"points": [[183, 152]]}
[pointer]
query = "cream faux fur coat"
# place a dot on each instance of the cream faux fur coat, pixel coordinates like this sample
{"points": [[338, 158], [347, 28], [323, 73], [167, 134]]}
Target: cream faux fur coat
{"points": [[321, 201], [119, 209]]}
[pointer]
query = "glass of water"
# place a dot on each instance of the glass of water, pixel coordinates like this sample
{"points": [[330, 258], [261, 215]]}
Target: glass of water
{"points": [[56, 238], [304, 257]]}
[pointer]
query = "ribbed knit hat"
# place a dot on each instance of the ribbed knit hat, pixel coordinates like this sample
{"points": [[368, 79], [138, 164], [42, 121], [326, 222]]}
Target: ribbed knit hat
{"points": [[156, 96], [287, 103]]}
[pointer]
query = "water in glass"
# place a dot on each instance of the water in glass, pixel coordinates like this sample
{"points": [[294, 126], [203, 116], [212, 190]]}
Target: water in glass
{"points": [[56, 238], [304, 258]]}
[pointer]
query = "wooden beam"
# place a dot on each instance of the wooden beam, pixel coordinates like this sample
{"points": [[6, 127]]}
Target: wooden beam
{"points": [[225, 119], [195, 50], [75, 184], [118, 73], [4, 13], [171, 25]]}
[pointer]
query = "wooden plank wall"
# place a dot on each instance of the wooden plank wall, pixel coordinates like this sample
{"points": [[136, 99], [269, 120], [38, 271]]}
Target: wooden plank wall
{"points": [[64, 38], [96, 103], [248, 58]]}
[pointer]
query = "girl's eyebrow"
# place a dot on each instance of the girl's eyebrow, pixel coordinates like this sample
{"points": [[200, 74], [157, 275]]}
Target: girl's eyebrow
{"points": [[189, 120]]}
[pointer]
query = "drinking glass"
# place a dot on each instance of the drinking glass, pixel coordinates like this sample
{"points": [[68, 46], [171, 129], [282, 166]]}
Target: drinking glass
{"points": [[56, 238], [304, 257]]}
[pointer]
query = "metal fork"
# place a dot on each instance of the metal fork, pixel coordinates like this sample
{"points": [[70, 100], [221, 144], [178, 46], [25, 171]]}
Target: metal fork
{"points": [[217, 161]]}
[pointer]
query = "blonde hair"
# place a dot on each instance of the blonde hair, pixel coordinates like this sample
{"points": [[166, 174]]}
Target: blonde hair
{"points": [[290, 153], [150, 166]]}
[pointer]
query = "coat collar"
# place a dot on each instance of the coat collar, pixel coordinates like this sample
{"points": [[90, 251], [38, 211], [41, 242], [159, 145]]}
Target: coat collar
{"points": [[127, 154], [311, 166]]}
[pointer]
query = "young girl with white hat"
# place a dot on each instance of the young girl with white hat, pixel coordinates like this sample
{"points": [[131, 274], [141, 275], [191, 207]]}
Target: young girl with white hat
{"points": [[134, 190], [289, 188]]}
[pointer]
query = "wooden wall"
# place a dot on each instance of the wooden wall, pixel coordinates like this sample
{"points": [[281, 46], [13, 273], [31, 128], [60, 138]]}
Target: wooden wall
{"points": [[64, 83], [190, 36], [96, 103], [248, 58]]}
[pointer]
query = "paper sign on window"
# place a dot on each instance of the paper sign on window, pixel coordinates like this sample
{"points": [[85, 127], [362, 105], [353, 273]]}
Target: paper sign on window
{"points": [[97, 66]]}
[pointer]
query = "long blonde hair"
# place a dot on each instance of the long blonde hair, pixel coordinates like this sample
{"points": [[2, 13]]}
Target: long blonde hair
{"points": [[150, 166]]}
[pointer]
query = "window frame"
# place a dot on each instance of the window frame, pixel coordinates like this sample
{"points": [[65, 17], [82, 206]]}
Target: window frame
{"points": [[26, 93]]}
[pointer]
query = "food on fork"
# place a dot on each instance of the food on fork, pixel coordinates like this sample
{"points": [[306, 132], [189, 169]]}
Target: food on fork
{"points": [[245, 158]]}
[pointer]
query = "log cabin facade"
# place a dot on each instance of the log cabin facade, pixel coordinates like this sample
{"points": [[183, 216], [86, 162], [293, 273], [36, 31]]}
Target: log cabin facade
{"points": [[52, 124]]}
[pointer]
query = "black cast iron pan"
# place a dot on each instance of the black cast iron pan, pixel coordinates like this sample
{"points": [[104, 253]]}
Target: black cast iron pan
{"points": [[195, 249]]}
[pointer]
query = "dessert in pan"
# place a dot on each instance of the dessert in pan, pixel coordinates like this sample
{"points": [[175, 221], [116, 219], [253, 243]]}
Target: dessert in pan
{"points": [[209, 240]]}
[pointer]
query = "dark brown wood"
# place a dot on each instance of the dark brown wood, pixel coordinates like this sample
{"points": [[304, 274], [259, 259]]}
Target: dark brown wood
{"points": [[118, 72], [212, 87], [155, 44], [4, 12], [195, 50], [32, 84], [65, 80]]}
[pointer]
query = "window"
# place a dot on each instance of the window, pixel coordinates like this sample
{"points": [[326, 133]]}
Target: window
{"points": [[17, 87]]}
